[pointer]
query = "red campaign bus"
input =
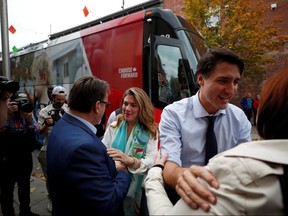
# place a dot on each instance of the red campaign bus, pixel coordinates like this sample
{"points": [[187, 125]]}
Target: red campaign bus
{"points": [[144, 46]]}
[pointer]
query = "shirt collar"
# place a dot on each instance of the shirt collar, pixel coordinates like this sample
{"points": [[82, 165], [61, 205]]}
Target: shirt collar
{"points": [[88, 124], [199, 110]]}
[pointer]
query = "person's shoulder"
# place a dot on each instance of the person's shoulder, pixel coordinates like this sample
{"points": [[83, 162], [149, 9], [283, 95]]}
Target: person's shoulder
{"points": [[112, 125], [179, 104], [249, 156], [235, 112], [234, 108], [46, 109]]}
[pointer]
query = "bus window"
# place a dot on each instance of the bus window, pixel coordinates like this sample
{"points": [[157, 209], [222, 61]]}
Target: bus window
{"points": [[171, 76], [172, 82]]}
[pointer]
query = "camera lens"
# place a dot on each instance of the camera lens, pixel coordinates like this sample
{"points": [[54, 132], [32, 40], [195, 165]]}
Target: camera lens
{"points": [[27, 107]]}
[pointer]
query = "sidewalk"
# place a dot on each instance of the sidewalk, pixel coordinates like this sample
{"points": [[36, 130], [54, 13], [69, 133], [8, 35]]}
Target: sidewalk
{"points": [[38, 191], [38, 196], [254, 133], [39, 200]]}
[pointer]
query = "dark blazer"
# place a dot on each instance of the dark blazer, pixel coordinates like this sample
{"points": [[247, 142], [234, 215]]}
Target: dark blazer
{"points": [[82, 177]]}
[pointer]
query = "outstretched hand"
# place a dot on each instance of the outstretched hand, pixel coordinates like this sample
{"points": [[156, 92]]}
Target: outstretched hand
{"points": [[118, 155], [194, 193]]}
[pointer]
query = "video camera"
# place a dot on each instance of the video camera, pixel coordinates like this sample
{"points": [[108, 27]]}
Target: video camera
{"points": [[23, 102], [8, 85], [55, 114]]}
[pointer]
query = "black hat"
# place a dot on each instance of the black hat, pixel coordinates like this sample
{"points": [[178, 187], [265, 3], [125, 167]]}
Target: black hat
{"points": [[2, 78], [8, 85]]}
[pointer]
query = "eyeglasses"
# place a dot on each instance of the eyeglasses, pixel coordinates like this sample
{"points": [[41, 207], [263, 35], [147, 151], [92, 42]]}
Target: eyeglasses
{"points": [[107, 104]]}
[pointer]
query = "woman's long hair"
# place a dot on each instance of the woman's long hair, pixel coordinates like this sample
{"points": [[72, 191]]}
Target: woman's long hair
{"points": [[146, 110]]}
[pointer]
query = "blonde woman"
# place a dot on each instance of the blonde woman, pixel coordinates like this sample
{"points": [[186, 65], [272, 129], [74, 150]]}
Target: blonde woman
{"points": [[133, 140]]}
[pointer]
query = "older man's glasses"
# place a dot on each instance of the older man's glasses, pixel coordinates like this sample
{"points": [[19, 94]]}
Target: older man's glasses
{"points": [[107, 104]]}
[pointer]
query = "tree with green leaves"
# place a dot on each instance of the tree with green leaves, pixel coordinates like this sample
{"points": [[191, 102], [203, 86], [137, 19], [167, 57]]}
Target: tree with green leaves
{"points": [[240, 26]]}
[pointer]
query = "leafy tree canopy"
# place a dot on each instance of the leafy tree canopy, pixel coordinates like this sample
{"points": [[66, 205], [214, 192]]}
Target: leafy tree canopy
{"points": [[238, 25]]}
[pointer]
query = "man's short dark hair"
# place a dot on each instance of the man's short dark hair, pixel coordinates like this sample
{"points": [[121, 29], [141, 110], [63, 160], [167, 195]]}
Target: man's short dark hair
{"points": [[85, 92], [213, 57]]}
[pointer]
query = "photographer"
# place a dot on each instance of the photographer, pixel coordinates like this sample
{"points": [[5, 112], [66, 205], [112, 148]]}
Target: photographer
{"points": [[7, 88], [17, 160], [47, 118]]}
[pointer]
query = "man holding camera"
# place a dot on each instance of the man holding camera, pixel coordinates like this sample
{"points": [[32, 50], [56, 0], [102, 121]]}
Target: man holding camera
{"points": [[17, 162], [47, 118], [7, 88]]}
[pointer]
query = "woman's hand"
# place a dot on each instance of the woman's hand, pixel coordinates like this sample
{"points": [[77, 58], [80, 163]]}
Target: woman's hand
{"points": [[118, 155], [161, 160]]}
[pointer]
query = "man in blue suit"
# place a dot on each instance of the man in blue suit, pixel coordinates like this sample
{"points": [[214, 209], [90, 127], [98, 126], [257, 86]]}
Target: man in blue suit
{"points": [[83, 179]]}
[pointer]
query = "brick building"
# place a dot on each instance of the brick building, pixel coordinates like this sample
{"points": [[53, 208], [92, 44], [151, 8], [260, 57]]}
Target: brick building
{"points": [[277, 9]]}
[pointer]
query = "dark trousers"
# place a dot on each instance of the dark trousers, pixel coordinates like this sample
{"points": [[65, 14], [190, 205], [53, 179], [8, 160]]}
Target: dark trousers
{"points": [[16, 169], [144, 211], [248, 113], [254, 115]]}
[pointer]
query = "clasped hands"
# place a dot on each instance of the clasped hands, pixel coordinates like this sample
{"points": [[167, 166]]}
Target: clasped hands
{"points": [[122, 161]]}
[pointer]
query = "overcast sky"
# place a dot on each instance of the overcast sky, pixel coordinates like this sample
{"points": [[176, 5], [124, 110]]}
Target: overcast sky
{"points": [[34, 20]]}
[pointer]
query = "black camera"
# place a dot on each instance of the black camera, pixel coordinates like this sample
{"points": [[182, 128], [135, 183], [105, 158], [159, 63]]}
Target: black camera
{"points": [[23, 102], [55, 114], [25, 106], [8, 85]]}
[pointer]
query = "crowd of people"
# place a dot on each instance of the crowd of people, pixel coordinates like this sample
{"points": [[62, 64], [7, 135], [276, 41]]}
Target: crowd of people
{"points": [[199, 159]]}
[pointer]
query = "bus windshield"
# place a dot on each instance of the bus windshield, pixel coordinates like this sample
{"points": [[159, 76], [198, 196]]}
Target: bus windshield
{"points": [[193, 42]]}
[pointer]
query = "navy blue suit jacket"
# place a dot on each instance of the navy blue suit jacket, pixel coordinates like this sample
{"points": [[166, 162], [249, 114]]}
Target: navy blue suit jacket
{"points": [[82, 177]]}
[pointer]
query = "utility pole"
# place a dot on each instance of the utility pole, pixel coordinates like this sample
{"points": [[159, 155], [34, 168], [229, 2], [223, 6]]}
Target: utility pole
{"points": [[5, 40], [123, 4]]}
